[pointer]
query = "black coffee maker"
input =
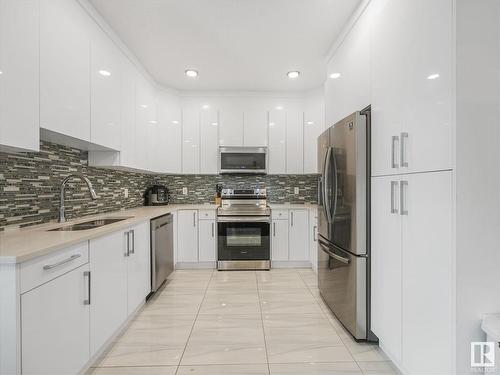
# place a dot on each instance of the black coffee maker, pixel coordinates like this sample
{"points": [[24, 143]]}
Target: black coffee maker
{"points": [[156, 195]]}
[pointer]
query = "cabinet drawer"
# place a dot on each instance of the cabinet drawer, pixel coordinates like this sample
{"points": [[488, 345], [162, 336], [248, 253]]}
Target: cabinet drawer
{"points": [[206, 214], [40, 270], [279, 214]]}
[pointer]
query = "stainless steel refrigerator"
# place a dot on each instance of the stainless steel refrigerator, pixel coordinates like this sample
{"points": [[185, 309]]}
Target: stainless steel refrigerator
{"points": [[343, 212]]}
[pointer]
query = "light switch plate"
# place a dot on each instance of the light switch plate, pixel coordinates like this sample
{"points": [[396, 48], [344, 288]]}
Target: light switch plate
{"points": [[125, 193], [296, 190], [185, 191]]}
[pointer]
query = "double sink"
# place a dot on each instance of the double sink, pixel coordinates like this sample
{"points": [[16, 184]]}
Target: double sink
{"points": [[91, 224]]}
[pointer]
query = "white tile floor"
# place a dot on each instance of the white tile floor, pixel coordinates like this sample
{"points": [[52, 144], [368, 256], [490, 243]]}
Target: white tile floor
{"points": [[217, 323]]}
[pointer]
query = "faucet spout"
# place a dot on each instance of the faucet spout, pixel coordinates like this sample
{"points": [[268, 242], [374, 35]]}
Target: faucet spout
{"points": [[93, 195]]}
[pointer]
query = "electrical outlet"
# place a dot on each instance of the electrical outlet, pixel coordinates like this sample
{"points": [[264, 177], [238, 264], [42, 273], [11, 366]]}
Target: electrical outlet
{"points": [[185, 191], [296, 191], [125, 193]]}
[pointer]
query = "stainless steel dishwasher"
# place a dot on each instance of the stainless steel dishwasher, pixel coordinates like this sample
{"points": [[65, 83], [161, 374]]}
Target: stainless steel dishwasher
{"points": [[162, 250]]}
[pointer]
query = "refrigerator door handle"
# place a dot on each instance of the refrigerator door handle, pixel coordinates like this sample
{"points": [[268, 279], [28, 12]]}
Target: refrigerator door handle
{"points": [[326, 201], [333, 255]]}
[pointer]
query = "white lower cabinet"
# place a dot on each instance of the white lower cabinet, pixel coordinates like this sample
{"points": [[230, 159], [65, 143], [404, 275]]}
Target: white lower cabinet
{"points": [[138, 266], [313, 239], [298, 235], [279, 245], [55, 325], [187, 236], [412, 261], [108, 267], [207, 240]]}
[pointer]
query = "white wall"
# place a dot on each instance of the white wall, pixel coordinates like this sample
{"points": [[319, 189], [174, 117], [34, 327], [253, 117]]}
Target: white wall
{"points": [[477, 170]]}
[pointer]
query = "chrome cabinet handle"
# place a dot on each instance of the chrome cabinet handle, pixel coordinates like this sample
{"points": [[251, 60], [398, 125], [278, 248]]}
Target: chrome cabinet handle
{"points": [[404, 161], [291, 218], [395, 139], [274, 229], [127, 250], [71, 258], [132, 247], [212, 229], [394, 187], [194, 219], [315, 233], [402, 195], [86, 274]]}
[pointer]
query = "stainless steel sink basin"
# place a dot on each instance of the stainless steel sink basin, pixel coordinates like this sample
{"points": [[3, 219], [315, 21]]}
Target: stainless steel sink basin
{"points": [[91, 224]]}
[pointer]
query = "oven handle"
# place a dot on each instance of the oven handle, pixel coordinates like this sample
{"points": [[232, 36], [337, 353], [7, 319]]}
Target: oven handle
{"points": [[243, 219]]}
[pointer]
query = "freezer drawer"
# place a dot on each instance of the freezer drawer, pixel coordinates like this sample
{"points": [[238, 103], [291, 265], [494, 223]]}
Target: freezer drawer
{"points": [[342, 285]]}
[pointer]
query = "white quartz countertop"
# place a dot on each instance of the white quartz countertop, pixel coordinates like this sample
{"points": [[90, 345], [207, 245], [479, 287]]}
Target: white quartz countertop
{"points": [[285, 206], [20, 245]]}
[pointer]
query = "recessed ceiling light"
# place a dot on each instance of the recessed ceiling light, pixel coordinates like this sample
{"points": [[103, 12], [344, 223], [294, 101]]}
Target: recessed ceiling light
{"points": [[1, 72], [205, 106], [279, 108], [335, 75], [214, 124], [144, 106], [175, 122], [153, 122], [191, 73], [310, 122], [293, 74], [433, 76], [104, 73], [272, 124]]}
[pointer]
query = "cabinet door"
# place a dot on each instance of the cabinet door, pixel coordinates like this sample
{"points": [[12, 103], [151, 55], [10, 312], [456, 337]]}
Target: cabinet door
{"points": [[190, 140], [55, 325], [65, 68], [108, 307], [144, 120], [428, 146], [255, 127], [128, 112], [169, 138], [386, 264], [277, 142], [427, 273], [298, 236], [209, 141], [19, 74], [138, 267], [313, 239], [187, 236], [231, 126], [208, 240], [105, 80], [294, 142], [279, 250], [314, 125]]}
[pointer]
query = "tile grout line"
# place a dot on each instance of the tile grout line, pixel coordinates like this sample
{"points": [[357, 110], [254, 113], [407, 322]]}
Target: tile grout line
{"points": [[262, 321], [194, 323]]}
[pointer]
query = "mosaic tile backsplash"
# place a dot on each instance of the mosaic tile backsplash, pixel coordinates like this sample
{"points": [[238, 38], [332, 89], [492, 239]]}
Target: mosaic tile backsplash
{"points": [[29, 186]]}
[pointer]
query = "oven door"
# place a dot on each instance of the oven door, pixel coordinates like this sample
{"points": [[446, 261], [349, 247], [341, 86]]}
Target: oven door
{"points": [[243, 238]]}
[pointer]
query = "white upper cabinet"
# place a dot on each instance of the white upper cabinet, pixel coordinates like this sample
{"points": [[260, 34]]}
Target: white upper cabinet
{"points": [[255, 126], [294, 141], [19, 74], [105, 80], [169, 137], [314, 125], [209, 141], [411, 86], [144, 119], [65, 68], [231, 126], [277, 142], [128, 111], [190, 140]]}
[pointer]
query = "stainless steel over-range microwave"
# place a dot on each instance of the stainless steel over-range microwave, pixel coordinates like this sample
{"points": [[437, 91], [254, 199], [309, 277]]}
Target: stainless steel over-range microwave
{"points": [[246, 160]]}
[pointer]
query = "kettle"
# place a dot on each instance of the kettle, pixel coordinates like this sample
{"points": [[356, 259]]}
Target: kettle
{"points": [[156, 195]]}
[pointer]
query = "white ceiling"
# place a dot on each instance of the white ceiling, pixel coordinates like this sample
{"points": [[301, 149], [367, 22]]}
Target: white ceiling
{"points": [[234, 44]]}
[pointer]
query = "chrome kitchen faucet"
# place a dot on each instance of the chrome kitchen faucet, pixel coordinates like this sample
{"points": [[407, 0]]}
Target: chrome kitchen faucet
{"points": [[93, 194]]}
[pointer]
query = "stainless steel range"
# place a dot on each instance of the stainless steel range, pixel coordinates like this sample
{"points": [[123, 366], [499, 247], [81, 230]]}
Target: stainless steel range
{"points": [[243, 225]]}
